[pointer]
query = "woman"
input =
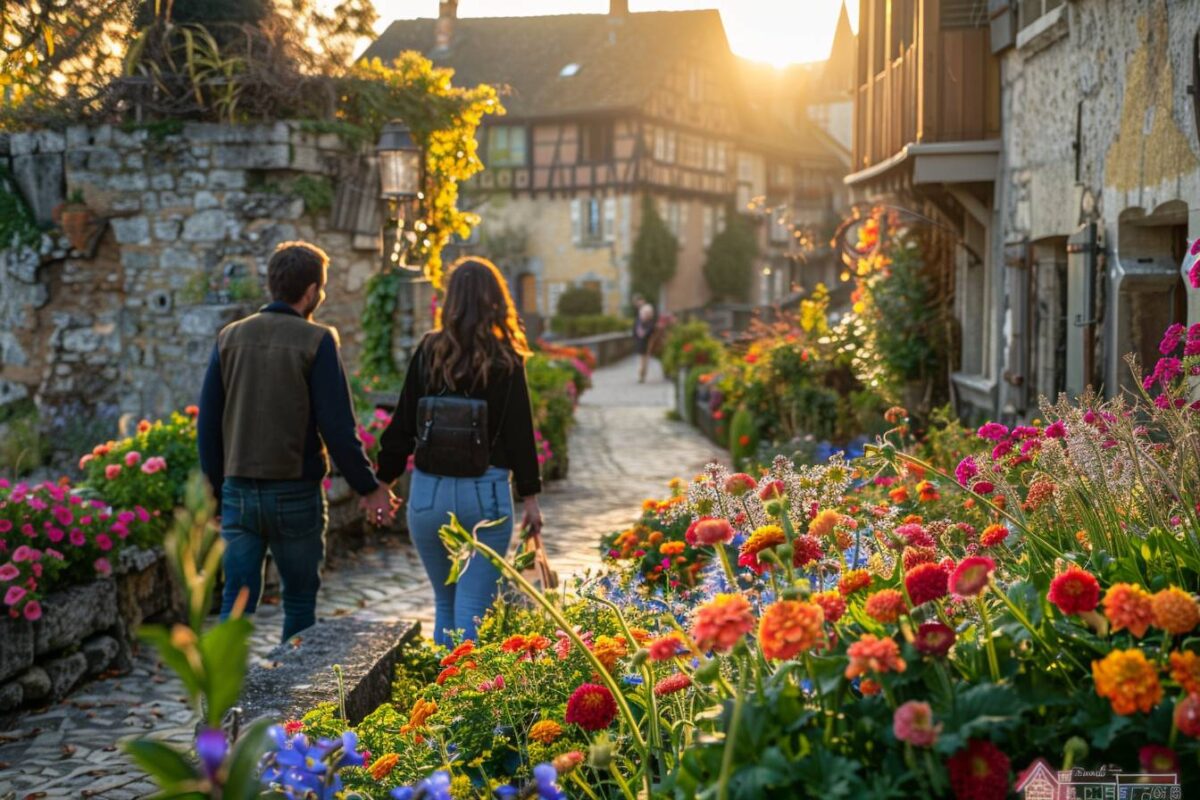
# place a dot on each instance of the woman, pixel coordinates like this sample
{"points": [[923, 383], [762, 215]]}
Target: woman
{"points": [[644, 328], [479, 351]]}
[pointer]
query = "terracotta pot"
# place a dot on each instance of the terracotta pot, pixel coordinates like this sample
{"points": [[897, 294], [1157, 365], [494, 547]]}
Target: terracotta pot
{"points": [[77, 224]]}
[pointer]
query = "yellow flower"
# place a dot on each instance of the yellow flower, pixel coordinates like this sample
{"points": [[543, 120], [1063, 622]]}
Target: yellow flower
{"points": [[608, 650], [545, 731], [824, 522], [461, 788], [1128, 680]]}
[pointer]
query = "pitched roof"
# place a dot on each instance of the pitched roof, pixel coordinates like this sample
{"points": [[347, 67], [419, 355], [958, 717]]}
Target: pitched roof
{"points": [[621, 60]]}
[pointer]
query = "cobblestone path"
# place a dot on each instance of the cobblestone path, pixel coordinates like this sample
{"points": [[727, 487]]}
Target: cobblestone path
{"points": [[622, 451]]}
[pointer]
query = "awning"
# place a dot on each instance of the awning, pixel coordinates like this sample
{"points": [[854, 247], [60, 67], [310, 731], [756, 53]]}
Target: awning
{"points": [[939, 162]]}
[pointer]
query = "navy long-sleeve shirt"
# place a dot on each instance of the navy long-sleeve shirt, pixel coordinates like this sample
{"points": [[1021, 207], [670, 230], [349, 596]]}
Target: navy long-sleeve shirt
{"points": [[331, 420]]}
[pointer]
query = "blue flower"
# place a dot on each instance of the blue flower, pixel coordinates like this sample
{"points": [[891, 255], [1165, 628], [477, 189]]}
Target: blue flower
{"points": [[435, 787], [211, 747], [632, 680], [545, 775]]}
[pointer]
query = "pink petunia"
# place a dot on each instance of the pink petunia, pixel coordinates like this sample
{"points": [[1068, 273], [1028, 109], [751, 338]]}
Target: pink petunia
{"points": [[8, 572], [154, 464], [52, 553], [32, 610], [103, 567], [112, 471], [104, 542], [22, 553], [132, 458], [120, 530], [63, 515], [77, 538], [14, 595], [142, 514], [993, 431], [55, 534], [5, 526]]}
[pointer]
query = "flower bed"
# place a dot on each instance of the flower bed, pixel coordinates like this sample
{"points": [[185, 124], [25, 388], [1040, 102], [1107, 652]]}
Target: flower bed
{"points": [[882, 627]]}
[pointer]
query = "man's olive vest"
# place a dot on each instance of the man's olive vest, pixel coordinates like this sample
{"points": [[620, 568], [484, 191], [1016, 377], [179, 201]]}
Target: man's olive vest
{"points": [[266, 359]]}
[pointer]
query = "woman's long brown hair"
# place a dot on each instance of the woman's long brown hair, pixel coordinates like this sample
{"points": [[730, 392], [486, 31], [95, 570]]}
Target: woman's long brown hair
{"points": [[479, 334]]}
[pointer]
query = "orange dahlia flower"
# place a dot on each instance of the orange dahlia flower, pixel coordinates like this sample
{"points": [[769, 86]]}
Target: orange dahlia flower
{"points": [[824, 523], [1128, 606], [722, 621], [609, 650], [789, 627], [853, 580], [1175, 611], [1185, 669], [832, 603], [872, 654], [1128, 680], [756, 542], [886, 605], [545, 731]]}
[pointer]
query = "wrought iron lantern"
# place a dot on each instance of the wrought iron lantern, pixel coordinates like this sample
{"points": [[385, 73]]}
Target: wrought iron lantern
{"points": [[400, 163]]}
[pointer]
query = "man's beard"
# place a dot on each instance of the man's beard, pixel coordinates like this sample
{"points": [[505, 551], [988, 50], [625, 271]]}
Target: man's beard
{"points": [[311, 309]]}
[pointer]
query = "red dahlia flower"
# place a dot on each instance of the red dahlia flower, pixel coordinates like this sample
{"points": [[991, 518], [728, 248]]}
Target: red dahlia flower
{"points": [[772, 490], [709, 531], [925, 582], [591, 707], [979, 772], [934, 638], [1074, 591]]}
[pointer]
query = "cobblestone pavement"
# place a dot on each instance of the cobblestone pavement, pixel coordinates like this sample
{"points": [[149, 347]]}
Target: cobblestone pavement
{"points": [[623, 450]]}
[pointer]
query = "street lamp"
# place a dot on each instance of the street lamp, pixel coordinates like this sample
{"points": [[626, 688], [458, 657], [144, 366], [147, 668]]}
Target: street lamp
{"points": [[401, 176], [400, 162]]}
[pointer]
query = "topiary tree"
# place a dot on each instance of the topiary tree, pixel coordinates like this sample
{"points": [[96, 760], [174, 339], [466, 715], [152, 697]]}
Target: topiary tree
{"points": [[655, 254], [729, 266], [578, 301]]}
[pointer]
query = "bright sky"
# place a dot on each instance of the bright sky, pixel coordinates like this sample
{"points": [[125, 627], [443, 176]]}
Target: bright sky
{"points": [[778, 32]]}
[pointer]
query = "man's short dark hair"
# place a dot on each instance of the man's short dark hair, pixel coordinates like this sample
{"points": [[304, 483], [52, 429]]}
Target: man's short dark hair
{"points": [[294, 266]]}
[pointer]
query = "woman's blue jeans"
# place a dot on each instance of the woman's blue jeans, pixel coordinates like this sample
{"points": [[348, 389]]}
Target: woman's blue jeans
{"points": [[432, 498], [289, 519]]}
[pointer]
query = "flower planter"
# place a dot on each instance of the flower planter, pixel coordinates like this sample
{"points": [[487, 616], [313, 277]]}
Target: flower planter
{"points": [[83, 631]]}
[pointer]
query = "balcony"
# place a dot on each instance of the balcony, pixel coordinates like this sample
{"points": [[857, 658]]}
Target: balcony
{"points": [[943, 86]]}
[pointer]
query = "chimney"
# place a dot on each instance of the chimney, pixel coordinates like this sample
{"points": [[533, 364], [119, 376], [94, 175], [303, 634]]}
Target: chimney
{"points": [[618, 8], [444, 30]]}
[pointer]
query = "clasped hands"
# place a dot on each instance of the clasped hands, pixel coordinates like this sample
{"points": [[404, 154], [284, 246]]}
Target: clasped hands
{"points": [[380, 506]]}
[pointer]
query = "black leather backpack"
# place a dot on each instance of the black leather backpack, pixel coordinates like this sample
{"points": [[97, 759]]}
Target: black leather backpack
{"points": [[452, 435]]}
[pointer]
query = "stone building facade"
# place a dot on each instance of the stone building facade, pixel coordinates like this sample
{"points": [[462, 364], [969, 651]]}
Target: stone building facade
{"points": [[183, 224], [1099, 191]]}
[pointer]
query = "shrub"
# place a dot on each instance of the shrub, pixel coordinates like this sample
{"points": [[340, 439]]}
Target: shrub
{"points": [[578, 301], [743, 436], [23, 448], [729, 265], [571, 327], [655, 255], [688, 344]]}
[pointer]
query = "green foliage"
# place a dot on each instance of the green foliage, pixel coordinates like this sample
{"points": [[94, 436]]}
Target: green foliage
{"points": [[655, 255], [743, 436], [907, 326], [158, 130], [578, 301], [23, 448], [316, 191], [729, 265], [588, 325], [688, 344], [378, 322], [552, 395], [17, 225], [210, 663]]}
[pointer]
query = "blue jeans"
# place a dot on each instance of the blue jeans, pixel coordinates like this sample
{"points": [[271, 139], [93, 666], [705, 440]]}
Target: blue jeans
{"points": [[287, 517], [431, 499]]}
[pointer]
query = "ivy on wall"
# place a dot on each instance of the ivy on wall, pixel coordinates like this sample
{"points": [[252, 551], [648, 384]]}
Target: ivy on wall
{"points": [[378, 321]]}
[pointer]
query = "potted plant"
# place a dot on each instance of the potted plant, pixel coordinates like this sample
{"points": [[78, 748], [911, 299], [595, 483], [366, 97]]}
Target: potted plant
{"points": [[76, 220]]}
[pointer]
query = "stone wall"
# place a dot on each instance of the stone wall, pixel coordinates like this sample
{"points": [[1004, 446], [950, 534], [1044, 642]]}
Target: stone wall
{"points": [[1098, 127], [83, 631], [126, 325]]}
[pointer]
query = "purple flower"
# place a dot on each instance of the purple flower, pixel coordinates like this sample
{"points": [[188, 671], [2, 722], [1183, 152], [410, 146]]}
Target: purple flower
{"points": [[211, 747]]}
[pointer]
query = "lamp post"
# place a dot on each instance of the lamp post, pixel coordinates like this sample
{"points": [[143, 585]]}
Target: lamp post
{"points": [[401, 180]]}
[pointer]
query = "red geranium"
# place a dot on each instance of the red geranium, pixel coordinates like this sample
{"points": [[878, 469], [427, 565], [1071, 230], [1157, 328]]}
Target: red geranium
{"points": [[591, 707], [1075, 591]]}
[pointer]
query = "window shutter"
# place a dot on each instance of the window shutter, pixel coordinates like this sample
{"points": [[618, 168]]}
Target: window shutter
{"points": [[577, 221], [609, 229]]}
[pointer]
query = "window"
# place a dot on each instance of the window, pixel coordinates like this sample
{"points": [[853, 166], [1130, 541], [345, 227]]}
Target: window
{"points": [[1030, 11], [664, 145], [779, 228], [594, 220], [710, 223], [596, 142], [527, 294], [506, 146], [695, 84], [721, 163]]}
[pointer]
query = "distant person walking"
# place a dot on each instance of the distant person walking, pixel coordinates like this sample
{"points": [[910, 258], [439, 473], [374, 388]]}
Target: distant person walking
{"points": [[645, 325], [471, 368], [274, 397]]}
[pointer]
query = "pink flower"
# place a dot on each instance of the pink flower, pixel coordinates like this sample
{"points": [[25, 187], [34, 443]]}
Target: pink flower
{"points": [[77, 538], [154, 464], [983, 487], [103, 567], [142, 514], [1056, 430], [112, 471], [5, 526], [971, 575], [120, 530], [104, 543], [1171, 338], [8, 572], [52, 553], [966, 469], [992, 431], [55, 534], [32, 610], [913, 723], [1194, 272], [383, 416], [1195, 250], [85, 460], [63, 515], [22, 553], [14, 595], [132, 458]]}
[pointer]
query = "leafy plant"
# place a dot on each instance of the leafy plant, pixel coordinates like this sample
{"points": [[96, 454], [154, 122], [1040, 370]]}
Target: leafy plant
{"points": [[729, 264], [17, 225], [655, 255], [578, 301], [316, 191], [588, 325]]}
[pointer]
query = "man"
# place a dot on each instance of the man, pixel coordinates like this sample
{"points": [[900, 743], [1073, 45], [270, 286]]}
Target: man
{"points": [[274, 397]]}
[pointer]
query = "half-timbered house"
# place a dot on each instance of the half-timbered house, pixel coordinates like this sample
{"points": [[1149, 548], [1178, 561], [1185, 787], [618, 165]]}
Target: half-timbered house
{"points": [[603, 110]]}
